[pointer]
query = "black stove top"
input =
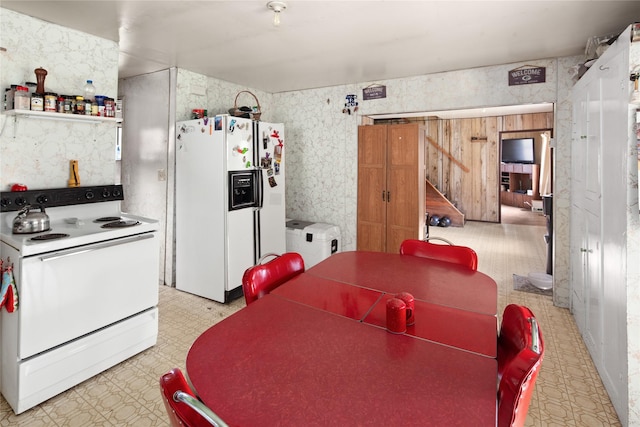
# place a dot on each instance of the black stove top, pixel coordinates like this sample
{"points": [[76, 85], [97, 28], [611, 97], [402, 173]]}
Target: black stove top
{"points": [[15, 200], [120, 224], [108, 219], [50, 236]]}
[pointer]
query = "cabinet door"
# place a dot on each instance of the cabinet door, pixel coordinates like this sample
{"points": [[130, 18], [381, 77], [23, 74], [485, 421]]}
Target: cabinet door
{"points": [[403, 156], [579, 148], [615, 107], [593, 168], [578, 266], [593, 285], [372, 187]]}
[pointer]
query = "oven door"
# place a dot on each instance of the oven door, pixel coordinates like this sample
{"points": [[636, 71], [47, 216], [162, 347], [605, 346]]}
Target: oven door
{"points": [[245, 189], [67, 294]]}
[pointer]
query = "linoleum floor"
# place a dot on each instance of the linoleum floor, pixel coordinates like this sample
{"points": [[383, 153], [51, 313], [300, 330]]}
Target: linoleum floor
{"points": [[568, 392]]}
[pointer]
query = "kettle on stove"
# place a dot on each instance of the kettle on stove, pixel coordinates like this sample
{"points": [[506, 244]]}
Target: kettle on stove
{"points": [[31, 222]]}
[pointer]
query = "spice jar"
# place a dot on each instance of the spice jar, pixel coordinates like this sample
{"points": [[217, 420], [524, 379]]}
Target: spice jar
{"points": [[37, 101], [60, 104], [50, 99], [69, 104], [109, 107], [79, 105], [22, 100], [99, 99]]}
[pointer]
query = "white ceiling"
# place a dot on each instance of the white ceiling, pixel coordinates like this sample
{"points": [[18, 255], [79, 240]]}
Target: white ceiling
{"points": [[327, 43]]}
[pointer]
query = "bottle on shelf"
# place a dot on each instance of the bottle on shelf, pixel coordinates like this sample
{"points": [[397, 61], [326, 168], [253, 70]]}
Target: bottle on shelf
{"points": [[22, 100], [89, 91]]}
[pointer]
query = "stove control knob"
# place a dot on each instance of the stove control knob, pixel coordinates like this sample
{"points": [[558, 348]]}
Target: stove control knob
{"points": [[89, 195], [117, 192], [5, 202], [21, 201], [42, 199], [105, 193]]}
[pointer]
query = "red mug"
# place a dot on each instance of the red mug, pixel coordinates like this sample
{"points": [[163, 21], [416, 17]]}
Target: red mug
{"points": [[410, 303], [396, 316]]}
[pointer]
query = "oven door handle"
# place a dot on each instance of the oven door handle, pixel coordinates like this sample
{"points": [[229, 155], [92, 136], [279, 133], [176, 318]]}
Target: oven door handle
{"points": [[95, 247]]}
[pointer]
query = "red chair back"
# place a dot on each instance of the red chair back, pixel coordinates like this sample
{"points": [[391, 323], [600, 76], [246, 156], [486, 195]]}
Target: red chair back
{"points": [[261, 279], [180, 414], [451, 253], [520, 354]]}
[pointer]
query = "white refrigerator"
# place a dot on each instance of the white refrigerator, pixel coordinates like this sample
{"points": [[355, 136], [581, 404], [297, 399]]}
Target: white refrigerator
{"points": [[230, 202]]}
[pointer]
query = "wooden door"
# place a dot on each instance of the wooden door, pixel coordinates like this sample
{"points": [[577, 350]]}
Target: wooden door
{"points": [[372, 165], [403, 179]]}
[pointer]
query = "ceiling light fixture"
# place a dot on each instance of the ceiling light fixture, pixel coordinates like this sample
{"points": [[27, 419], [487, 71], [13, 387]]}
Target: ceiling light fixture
{"points": [[277, 7]]}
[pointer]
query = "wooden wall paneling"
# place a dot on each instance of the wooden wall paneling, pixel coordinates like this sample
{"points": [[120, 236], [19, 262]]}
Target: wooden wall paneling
{"points": [[433, 158], [492, 179], [445, 142], [463, 181], [478, 180]]}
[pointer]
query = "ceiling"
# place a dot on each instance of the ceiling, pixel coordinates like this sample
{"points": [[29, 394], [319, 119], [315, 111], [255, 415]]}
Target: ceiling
{"points": [[327, 43]]}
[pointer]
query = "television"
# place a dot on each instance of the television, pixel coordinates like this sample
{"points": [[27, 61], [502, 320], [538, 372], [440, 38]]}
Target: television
{"points": [[517, 150]]}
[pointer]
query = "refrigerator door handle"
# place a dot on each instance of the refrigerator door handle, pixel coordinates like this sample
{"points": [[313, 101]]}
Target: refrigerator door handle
{"points": [[260, 188]]}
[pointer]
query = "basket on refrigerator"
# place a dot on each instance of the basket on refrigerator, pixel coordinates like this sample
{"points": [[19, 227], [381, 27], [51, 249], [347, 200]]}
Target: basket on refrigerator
{"points": [[244, 111]]}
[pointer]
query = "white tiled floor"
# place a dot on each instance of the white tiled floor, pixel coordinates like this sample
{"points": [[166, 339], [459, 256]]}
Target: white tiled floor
{"points": [[568, 392]]}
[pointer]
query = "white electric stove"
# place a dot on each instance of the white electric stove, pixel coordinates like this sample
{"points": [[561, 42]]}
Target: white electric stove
{"points": [[87, 290]]}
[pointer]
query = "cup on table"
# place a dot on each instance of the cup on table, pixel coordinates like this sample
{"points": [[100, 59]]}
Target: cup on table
{"points": [[396, 316], [410, 303]]}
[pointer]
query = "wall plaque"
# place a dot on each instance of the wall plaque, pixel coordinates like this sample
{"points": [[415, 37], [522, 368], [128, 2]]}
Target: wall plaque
{"points": [[374, 92], [527, 74]]}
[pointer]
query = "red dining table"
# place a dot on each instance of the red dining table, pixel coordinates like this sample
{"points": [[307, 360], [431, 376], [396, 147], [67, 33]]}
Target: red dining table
{"points": [[280, 362], [433, 281], [466, 330]]}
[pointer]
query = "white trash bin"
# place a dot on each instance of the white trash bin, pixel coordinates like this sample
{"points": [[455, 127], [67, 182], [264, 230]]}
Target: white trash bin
{"points": [[315, 241]]}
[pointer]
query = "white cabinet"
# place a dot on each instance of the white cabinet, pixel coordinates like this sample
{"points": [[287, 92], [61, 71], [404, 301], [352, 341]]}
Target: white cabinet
{"points": [[601, 218]]}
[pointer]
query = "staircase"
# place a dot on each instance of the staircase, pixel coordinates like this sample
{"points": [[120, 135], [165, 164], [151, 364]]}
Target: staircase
{"points": [[438, 204]]}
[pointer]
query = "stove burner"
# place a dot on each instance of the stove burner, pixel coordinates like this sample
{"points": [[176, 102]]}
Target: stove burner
{"points": [[50, 236], [121, 224], [108, 219]]}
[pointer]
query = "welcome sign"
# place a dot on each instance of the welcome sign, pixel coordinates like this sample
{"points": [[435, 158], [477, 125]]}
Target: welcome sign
{"points": [[527, 75]]}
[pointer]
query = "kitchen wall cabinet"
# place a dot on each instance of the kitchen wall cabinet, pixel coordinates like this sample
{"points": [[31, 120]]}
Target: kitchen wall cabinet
{"points": [[604, 214], [391, 186]]}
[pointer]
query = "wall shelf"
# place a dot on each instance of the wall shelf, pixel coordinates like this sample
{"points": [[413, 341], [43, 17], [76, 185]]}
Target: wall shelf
{"points": [[46, 115]]}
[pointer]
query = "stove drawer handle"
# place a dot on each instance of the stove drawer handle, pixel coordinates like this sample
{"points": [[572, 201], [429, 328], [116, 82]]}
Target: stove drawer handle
{"points": [[95, 247]]}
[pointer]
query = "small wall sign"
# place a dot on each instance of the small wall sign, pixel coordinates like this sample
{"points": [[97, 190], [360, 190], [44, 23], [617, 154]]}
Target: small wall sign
{"points": [[374, 92], [527, 74]]}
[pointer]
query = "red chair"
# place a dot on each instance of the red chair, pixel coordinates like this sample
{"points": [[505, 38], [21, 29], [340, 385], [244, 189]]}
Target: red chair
{"points": [[451, 253], [183, 408], [520, 353], [261, 279]]}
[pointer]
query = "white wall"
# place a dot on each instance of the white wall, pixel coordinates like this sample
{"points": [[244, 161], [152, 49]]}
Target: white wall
{"points": [[37, 152]]}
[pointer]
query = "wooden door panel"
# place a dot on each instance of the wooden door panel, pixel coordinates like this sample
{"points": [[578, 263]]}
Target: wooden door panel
{"points": [[402, 147], [371, 236], [402, 206], [371, 200], [396, 235], [371, 223], [403, 154], [390, 185]]}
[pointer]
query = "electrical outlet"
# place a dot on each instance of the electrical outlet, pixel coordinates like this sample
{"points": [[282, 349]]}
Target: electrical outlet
{"points": [[162, 175]]}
